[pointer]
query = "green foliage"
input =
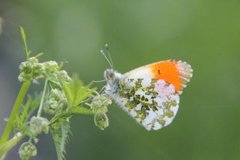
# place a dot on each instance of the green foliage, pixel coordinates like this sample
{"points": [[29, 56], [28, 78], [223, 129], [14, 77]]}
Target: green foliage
{"points": [[26, 110], [60, 132], [14, 113], [76, 92], [61, 98], [27, 51]]}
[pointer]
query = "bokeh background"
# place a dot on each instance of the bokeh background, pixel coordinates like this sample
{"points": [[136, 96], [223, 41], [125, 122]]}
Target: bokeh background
{"points": [[204, 33]]}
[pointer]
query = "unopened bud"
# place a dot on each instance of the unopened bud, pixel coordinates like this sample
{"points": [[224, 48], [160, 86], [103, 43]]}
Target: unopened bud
{"points": [[55, 102], [101, 120], [50, 67], [39, 125], [27, 150], [30, 70], [99, 103], [63, 75]]}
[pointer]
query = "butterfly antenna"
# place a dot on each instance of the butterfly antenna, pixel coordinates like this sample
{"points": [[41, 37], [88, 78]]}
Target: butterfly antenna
{"points": [[107, 57], [109, 53]]}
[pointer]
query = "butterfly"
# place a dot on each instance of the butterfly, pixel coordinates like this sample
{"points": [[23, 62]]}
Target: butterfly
{"points": [[151, 93]]}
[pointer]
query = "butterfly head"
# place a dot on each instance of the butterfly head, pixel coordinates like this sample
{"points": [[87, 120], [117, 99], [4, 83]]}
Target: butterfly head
{"points": [[112, 78]]}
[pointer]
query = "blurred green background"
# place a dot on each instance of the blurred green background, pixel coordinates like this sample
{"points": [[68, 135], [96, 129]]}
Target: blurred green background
{"points": [[204, 33]]}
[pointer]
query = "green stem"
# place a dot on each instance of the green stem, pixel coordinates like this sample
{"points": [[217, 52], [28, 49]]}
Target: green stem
{"points": [[14, 112], [7, 146], [42, 99]]}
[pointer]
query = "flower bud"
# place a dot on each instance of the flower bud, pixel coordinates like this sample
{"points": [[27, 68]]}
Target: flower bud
{"points": [[50, 67], [64, 76], [55, 102], [27, 150], [30, 70], [99, 103], [101, 120], [38, 125]]}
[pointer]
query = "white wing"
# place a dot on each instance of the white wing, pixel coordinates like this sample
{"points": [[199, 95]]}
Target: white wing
{"points": [[153, 104], [150, 94]]}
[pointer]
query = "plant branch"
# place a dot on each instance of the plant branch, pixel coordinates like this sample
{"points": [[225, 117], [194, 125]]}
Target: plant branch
{"points": [[14, 111], [42, 99], [10, 144]]}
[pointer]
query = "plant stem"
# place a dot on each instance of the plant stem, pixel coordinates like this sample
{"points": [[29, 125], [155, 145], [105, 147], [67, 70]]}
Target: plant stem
{"points": [[42, 99], [7, 146], [14, 112]]}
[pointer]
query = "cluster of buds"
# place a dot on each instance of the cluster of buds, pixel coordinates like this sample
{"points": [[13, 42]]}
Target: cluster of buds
{"points": [[32, 69], [50, 67], [55, 102], [38, 125], [100, 102], [99, 105], [27, 150]]}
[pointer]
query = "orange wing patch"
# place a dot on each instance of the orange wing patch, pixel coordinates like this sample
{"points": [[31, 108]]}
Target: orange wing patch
{"points": [[177, 73]]}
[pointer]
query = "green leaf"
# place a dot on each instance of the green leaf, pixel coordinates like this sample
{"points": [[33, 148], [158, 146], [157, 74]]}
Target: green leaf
{"points": [[25, 109], [27, 51], [60, 132], [34, 103], [29, 107], [76, 92], [21, 121]]}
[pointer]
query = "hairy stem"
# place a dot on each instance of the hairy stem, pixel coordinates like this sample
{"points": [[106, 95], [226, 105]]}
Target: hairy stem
{"points": [[14, 112], [7, 146]]}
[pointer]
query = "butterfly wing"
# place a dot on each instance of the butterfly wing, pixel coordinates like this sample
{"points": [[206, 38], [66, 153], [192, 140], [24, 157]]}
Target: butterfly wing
{"points": [[150, 94]]}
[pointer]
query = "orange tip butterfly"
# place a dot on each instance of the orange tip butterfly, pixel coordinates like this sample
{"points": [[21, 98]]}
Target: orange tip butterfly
{"points": [[150, 94]]}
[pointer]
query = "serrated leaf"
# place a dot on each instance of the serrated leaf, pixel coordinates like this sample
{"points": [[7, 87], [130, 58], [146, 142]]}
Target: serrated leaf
{"points": [[76, 92], [27, 109], [33, 105], [60, 136]]}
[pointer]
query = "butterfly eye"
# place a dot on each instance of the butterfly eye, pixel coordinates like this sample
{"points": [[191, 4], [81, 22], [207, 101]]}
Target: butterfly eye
{"points": [[109, 76]]}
